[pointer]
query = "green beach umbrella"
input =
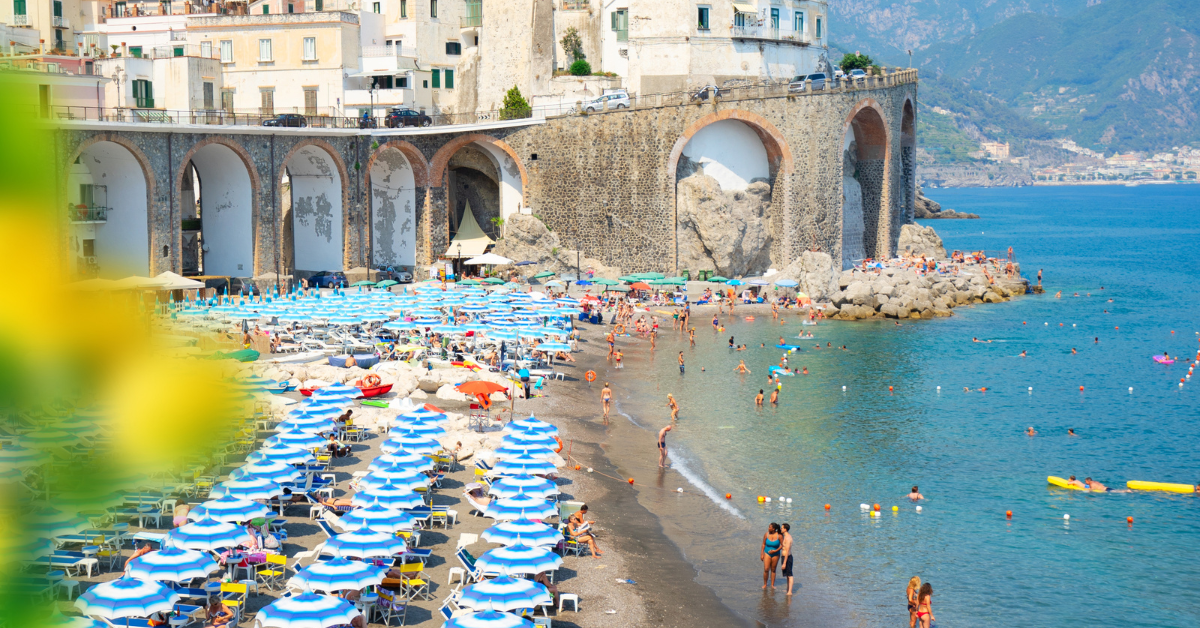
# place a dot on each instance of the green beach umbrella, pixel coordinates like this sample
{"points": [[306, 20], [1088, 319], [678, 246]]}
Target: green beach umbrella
{"points": [[645, 276], [617, 289], [717, 279], [386, 283], [605, 282], [363, 283], [468, 282], [494, 281], [630, 278], [543, 274]]}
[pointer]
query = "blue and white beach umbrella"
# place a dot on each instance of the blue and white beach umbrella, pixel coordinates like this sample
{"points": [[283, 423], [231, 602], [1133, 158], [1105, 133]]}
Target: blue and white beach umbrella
{"points": [[401, 459], [171, 564], [307, 610], [62, 621], [401, 472], [531, 485], [424, 414], [249, 488], [488, 619], [365, 544], [411, 444], [417, 428], [338, 574], [379, 519], [228, 509], [206, 535], [48, 439], [531, 426], [337, 389], [320, 425], [520, 507], [315, 411], [554, 346], [527, 438], [389, 496], [126, 597], [271, 470], [504, 594], [522, 532], [518, 560], [15, 457], [317, 417], [522, 465], [409, 482], [539, 452], [284, 453], [303, 440]]}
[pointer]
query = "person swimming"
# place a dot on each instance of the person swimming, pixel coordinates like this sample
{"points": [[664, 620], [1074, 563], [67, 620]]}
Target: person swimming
{"points": [[1071, 481], [1032, 432]]}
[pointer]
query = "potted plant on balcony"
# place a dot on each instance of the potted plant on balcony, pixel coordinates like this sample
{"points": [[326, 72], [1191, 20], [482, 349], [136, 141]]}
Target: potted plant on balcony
{"points": [[81, 211]]}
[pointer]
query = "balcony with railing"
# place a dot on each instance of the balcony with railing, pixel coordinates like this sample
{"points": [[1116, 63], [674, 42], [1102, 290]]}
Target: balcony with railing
{"points": [[60, 22], [394, 97], [20, 20], [473, 17], [395, 50], [87, 214], [769, 33]]}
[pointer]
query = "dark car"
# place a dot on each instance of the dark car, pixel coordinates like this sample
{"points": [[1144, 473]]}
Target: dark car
{"points": [[406, 117], [327, 279], [286, 119]]}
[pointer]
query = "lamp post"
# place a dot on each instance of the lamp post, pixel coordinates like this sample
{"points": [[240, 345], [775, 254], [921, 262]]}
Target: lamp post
{"points": [[910, 58]]}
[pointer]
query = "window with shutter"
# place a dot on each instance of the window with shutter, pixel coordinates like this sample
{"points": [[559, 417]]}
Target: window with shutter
{"points": [[436, 75], [403, 8], [432, 8], [449, 79], [819, 33], [19, 7], [620, 24], [208, 95], [206, 49], [264, 50], [799, 23], [310, 101], [453, 48]]}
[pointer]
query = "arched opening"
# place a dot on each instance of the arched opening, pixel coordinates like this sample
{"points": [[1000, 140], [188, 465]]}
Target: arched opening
{"points": [[864, 167], [491, 159], [217, 210], [312, 212], [473, 181], [726, 167], [908, 161], [108, 212], [393, 210]]}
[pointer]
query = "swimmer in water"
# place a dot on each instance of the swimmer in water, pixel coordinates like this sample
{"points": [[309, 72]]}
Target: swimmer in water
{"points": [[758, 400], [674, 407], [1071, 481], [1073, 351], [1032, 432], [741, 368], [775, 396], [1023, 354], [731, 342], [1070, 431], [806, 370], [915, 495], [1093, 485]]}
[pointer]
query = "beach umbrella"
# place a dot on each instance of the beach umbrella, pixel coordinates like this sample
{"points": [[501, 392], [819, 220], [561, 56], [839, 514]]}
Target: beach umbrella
{"points": [[508, 452], [249, 488], [554, 346], [531, 425], [49, 439], [315, 426], [504, 594], [315, 411], [529, 438], [337, 388], [418, 428], [206, 535], [303, 440], [733, 282], [531, 485], [338, 574], [567, 301], [488, 619], [365, 544], [171, 564], [480, 388], [518, 560], [8, 476], [51, 523], [378, 518], [283, 453], [544, 274], [126, 597], [386, 283], [424, 414], [271, 470], [398, 472], [717, 279], [786, 283], [62, 621], [617, 289], [387, 495], [522, 532], [228, 509], [523, 465], [307, 610], [410, 482], [31, 551], [410, 443], [520, 507], [400, 459]]}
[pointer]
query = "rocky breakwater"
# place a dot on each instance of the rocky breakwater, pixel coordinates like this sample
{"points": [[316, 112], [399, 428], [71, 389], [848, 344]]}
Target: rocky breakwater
{"points": [[927, 209], [903, 293]]}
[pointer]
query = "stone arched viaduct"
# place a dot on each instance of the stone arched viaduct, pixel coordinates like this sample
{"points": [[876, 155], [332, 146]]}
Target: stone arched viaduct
{"points": [[604, 182]]}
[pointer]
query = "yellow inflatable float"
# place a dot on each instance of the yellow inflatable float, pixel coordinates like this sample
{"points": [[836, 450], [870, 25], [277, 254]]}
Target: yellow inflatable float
{"points": [[1137, 485], [1061, 483]]}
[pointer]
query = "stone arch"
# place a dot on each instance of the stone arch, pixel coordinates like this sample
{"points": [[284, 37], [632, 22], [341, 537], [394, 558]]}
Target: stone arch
{"points": [[514, 177], [703, 208], [112, 237], [309, 203], [908, 160], [238, 187], [866, 219], [397, 175]]}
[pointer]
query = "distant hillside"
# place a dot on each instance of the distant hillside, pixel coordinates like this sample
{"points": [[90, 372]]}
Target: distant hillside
{"points": [[1118, 75]]}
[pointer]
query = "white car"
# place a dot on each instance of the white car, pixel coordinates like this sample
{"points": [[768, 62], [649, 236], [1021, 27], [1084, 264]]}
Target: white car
{"points": [[615, 100], [857, 73]]}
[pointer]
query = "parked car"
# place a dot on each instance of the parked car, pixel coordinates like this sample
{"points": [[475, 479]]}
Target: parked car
{"points": [[242, 285], [406, 117], [857, 73], [286, 119], [328, 279], [818, 81], [402, 276], [615, 100]]}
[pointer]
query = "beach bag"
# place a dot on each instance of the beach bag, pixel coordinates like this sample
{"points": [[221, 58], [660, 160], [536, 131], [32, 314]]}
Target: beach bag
{"points": [[271, 542]]}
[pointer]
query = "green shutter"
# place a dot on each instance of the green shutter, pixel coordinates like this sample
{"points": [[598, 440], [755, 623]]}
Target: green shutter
{"points": [[18, 7], [149, 95], [613, 15], [449, 79], [266, 10], [437, 78]]}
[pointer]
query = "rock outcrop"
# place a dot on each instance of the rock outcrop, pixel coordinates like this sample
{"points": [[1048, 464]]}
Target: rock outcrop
{"points": [[814, 273], [900, 293], [526, 239], [918, 241], [926, 209], [728, 232]]}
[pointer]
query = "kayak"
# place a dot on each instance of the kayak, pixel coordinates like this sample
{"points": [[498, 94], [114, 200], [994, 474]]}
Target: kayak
{"points": [[1137, 485]]}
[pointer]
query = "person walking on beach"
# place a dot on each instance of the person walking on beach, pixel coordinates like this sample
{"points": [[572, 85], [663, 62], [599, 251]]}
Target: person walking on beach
{"points": [[785, 555], [606, 400], [673, 406], [771, 542], [910, 595], [681, 363], [662, 446]]}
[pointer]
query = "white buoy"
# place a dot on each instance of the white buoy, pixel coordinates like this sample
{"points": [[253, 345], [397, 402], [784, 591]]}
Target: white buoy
{"points": [[843, 388], [789, 500], [781, 498], [939, 388], [679, 490], [1045, 323], [1031, 389], [1066, 517], [1131, 390], [589, 469], [768, 500], [865, 506], [918, 509]]}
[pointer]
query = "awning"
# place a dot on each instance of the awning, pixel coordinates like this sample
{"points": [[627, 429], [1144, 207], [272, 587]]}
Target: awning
{"points": [[470, 241], [177, 282], [744, 8]]}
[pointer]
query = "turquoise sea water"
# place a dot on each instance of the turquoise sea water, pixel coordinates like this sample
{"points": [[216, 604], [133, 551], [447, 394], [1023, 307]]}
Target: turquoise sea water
{"points": [[967, 451]]}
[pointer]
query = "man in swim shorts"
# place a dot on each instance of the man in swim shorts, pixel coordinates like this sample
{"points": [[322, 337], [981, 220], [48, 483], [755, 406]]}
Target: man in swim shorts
{"points": [[662, 446], [785, 554], [681, 363]]}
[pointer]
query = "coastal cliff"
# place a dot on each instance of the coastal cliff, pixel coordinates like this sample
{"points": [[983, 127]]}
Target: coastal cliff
{"points": [[926, 209]]}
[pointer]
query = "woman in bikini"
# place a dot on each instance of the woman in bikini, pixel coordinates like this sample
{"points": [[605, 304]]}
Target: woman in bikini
{"points": [[925, 605], [910, 594], [771, 543]]}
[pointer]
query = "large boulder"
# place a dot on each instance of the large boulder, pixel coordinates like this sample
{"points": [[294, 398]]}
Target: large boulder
{"points": [[726, 231], [814, 274], [859, 293], [918, 241], [527, 239]]}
